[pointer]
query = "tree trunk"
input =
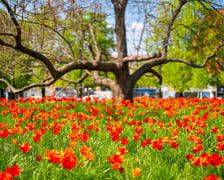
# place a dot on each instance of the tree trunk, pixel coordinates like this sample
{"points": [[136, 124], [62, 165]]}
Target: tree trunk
{"points": [[2, 93], [11, 96], [160, 92], [122, 91], [123, 87], [179, 94], [120, 31], [43, 92]]}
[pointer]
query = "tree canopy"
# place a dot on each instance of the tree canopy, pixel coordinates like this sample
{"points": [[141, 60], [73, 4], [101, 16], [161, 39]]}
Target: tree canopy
{"points": [[195, 33]]}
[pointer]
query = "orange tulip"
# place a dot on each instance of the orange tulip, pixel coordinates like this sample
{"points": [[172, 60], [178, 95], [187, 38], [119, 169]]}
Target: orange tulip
{"points": [[136, 172]]}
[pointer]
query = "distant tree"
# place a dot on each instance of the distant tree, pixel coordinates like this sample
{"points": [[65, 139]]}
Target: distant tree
{"points": [[195, 33]]}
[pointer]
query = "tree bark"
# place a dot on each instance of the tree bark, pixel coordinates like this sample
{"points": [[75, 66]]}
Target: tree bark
{"points": [[122, 88], [122, 91], [120, 30]]}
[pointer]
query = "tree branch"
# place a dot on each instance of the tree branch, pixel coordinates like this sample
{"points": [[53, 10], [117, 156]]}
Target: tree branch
{"points": [[219, 64], [23, 74], [147, 67], [77, 81], [39, 56], [214, 6], [3, 43], [195, 65], [188, 29], [14, 20], [59, 34], [169, 27], [141, 58], [98, 51], [163, 60], [7, 34], [23, 49], [106, 82], [90, 65], [156, 75], [15, 91]]}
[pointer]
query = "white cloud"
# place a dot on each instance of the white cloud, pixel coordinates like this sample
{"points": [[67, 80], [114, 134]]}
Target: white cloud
{"points": [[137, 26]]}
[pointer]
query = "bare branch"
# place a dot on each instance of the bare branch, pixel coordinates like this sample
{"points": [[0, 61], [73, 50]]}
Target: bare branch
{"points": [[219, 64], [77, 81], [24, 74], [147, 67], [163, 60], [149, 75], [106, 82], [141, 58], [98, 51], [190, 29], [213, 5], [39, 56], [92, 55], [141, 35], [14, 20], [46, 79], [195, 65], [6, 73], [23, 49], [90, 65], [3, 43], [169, 27], [59, 34], [7, 34], [156, 75], [15, 91]]}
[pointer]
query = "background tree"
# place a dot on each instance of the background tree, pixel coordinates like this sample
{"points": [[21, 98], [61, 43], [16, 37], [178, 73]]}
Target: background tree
{"points": [[193, 38], [125, 80]]}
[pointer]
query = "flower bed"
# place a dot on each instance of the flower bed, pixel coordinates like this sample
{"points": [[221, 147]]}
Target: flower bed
{"points": [[104, 139]]}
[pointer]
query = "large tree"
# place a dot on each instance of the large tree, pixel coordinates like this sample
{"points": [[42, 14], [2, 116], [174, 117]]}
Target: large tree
{"points": [[125, 78]]}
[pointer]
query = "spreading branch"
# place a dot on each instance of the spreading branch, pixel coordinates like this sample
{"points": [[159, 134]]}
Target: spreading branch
{"points": [[76, 81], [15, 91], [195, 65], [156, 75], [140, 58], [20, 75], [90, 65], [106, 82], [163, 60]]}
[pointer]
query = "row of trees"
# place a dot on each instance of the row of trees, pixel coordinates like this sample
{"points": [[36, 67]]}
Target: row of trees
{"points": [[43, 42]]}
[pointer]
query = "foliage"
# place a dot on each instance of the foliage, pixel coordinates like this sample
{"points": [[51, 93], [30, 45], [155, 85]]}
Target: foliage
{"points": [[192, 38]]}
